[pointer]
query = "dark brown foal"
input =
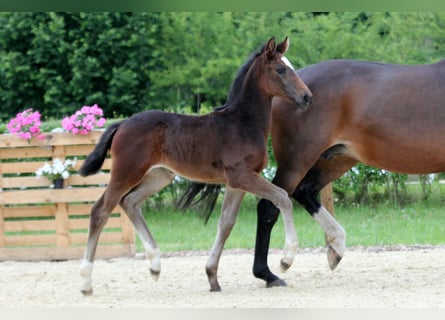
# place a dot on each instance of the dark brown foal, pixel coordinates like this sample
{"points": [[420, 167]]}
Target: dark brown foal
{"points": [[227, 146]]}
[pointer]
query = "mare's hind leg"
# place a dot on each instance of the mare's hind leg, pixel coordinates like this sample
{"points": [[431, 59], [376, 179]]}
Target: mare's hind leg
{"points": [[229, 210], [100, 212], [322, 173], [153, 182]]}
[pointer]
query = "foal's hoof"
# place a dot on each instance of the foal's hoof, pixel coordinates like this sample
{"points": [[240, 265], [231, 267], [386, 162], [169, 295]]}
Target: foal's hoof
{"points": [[276, 283], [284, 266], [155, 274], [333, 258], [87, 293], [216, 288]]}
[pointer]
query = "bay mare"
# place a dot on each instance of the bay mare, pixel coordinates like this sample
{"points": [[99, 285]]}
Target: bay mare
{"points": [[384, 115], [227, 146]]}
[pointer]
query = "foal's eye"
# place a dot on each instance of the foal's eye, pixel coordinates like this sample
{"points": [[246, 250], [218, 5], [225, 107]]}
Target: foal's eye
{"points": [[281, 70]]}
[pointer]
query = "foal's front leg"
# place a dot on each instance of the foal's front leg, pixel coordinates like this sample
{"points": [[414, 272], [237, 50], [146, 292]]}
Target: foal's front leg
{"points": [[279, 197], [229, 211]]}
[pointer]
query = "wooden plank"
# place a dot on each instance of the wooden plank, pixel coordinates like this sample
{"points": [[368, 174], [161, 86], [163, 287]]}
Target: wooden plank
{"points": [[105, 237], [50, 225], [25, 182], [47, 210], [74, 180], [75, 224], [51, 239], [31, 239], [32, 166], [2, 228], [29, 225], [32, 254], [26, 152], [65, 138], [21, 167], [97, 179], [29, 211], [79, 209], [62, 225], [59, 152], [51, 195], [79, 150]]}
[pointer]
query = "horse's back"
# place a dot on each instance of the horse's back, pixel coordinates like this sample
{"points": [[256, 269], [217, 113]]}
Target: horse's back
{"points": [[390, 116]]}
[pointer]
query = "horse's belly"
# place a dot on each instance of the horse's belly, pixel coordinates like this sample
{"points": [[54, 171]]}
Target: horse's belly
{"points": [[413, 159]]}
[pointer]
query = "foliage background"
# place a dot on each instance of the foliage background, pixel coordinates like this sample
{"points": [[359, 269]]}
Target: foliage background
{"points": [[127, 62], [185, 61]]}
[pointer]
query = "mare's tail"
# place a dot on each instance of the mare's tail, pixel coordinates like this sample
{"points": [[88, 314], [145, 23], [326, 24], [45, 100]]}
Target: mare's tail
{"points": [[95, 159], [205, 203]]}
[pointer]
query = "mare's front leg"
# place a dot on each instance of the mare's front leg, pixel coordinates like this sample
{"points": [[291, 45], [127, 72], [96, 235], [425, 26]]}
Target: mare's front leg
{"points": [[268, 212], [267, 215], [132, 202], [323, 172], [229, 211]]}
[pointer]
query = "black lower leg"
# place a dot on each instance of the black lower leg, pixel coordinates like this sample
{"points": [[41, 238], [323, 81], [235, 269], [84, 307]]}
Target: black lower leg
{"points": [[267, 216]]}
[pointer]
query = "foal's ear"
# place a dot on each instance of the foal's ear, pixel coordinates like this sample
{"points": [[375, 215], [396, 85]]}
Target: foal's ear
{"points": [[283, 46], [270, 48]]}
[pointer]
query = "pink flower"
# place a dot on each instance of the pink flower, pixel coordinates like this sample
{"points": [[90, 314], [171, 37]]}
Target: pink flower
{"points": [[84, 120], [26, 125]]}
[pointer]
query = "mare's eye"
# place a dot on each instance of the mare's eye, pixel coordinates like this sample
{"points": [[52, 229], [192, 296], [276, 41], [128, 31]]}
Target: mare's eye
{"points": [[281, 70]]}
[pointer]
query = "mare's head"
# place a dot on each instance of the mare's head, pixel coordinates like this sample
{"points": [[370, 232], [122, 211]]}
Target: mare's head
{"points": [[278, 77]]}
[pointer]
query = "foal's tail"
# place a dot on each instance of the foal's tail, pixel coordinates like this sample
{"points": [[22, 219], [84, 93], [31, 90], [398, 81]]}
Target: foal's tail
{"points": [[95, 159], [205, 203]]}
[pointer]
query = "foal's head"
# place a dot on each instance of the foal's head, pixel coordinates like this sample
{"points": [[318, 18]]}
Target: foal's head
{"points": [[279, 77]]}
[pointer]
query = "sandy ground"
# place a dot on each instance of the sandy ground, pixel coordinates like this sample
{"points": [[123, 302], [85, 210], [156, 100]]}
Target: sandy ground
{"points": [[367, 277]]}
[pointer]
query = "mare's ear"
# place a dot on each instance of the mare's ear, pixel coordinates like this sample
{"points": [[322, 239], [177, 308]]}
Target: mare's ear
{"points": [[270, 48], [283, 46]]}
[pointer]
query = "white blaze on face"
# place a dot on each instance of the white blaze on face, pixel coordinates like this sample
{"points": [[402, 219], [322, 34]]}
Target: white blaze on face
{"points": [[287, 63]]}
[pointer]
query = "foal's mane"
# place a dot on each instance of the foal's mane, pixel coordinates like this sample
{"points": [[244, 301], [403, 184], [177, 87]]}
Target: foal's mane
{"points": [[240, 75]]}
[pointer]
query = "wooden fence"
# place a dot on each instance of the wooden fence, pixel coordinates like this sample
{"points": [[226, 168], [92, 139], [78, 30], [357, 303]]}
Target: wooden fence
{"points": [[39, 222]]}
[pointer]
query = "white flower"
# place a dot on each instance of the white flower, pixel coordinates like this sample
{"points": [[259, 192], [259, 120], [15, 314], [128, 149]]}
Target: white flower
{"points": [[57, 169], [65, 174]]}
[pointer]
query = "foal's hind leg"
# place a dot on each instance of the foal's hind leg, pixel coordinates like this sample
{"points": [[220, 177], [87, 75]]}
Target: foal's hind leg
{"points": [[153, 182], [229, 211], [100, 212]]}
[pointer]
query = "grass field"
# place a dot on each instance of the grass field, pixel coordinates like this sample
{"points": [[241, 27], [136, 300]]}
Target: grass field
{"points": [[419, 223]]}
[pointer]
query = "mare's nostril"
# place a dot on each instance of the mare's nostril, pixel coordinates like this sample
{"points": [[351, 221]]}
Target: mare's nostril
{"points": [[307, 99]]}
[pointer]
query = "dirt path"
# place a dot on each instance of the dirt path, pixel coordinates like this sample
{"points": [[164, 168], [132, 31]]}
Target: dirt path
{"points": [[372, 277]]}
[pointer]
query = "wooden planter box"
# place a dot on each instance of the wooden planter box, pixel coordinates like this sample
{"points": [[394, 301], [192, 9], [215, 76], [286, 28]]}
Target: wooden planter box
{"points": [[39, 222]]}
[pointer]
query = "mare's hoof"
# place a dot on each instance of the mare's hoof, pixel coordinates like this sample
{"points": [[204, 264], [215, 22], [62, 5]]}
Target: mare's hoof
{"points": [[87, 293], [155, 274], [284, 266], [333, 258], [276, 283]]}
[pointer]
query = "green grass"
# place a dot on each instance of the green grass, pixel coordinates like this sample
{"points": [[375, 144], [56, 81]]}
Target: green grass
{"points": [[420, 223]]}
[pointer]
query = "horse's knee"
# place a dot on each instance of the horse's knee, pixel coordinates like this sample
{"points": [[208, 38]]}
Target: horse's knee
{"points": [[306, 195], [98, 219], [267, 212]]}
